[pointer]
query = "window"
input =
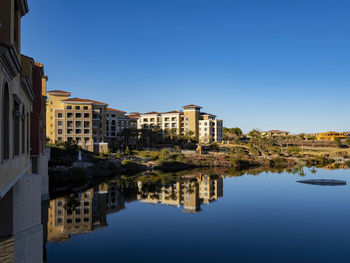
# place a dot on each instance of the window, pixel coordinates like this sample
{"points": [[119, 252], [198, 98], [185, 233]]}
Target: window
{"points": [[59, 131], [28, 134], [69, 124], [77, 107], [86, 219], [86, 139], [69, 107], [69, 131], [113, 122], [60, 115], [113, 115], [78, 124], [86, 115], [69, 115], [166, 119], [59, 139], [77, 131], [152, 119], [6, 124], [86, 108], [86, 124], [77, 220], [69, 138], [173, 118], [86, 131], [16, 127], [59, 123], [23, 130], [78, 115]]}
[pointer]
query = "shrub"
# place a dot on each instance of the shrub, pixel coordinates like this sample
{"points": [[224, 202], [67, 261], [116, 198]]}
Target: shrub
{"points": [[127, 151], [130, 165], [164, 154], [119, 154]]}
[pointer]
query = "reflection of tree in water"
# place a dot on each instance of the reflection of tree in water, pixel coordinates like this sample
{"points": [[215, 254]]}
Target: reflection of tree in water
{"points": [[71, 202], [190, 186]]}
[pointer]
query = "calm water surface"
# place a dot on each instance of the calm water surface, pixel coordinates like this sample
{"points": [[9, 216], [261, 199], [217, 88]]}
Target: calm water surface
{"points": [[204, 218]]}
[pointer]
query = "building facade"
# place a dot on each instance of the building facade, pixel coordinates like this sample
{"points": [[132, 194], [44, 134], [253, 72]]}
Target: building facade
{"points": [[330, 136], [74, 119], [202, 126], [21, 230]]}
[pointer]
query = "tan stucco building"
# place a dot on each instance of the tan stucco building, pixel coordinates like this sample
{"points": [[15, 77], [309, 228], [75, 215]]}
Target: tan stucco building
{"points": [[21, 169], [75, 119], [203, 126]]}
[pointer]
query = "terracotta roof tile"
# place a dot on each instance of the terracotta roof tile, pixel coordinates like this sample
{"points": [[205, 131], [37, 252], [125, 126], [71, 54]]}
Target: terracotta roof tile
{"points": [[85, 100], [192, 105], [59, 91], [110, 109], [152, 112], [174, 111]]}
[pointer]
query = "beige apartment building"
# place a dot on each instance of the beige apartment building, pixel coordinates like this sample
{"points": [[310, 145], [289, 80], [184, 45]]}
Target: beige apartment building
{"points": [[205, 127], [75, 119]]}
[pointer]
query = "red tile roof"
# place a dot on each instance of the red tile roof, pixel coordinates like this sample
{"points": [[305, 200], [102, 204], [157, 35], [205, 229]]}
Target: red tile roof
{"points": [[152, 112], [192, 105], [110, 109], [85, 100], [38, 64], [174, 111], [59, 91], [133, 116]]}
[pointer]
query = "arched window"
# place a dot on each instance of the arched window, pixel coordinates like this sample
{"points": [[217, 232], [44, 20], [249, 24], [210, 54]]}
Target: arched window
{"points": [[23, 129], [28, 134], [16, 126], [6, 123]]}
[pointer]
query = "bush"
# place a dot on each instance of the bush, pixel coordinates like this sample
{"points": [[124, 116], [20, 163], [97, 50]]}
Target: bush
{"points": [[164, 154], [149, 154], [130, 165], [119, 154], [172, 165], [127, 151]]}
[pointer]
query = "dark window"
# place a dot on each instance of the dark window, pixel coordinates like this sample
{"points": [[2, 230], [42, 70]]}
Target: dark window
{"points": [[16, 128], [23, 128], [6, 124]]}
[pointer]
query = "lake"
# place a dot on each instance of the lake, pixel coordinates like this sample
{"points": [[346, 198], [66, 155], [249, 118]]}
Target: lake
{"points": [[201, 216]]}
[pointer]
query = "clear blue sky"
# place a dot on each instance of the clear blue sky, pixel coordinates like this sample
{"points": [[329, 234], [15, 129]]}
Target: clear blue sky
{"points": [[255, 64]]}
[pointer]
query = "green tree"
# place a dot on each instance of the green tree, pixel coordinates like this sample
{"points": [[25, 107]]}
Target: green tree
{"points": [[337, 141], [347, 142], [189, 135], [119, 154]]}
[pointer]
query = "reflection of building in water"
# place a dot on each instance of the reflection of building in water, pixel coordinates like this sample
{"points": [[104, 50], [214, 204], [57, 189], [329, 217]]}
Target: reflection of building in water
{"points": [[84, 212], [189, 191], [210, 188], [74, 215]]}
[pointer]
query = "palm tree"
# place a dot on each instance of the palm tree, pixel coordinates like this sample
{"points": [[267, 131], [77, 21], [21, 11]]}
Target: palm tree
{"points": [[189, 135]]}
